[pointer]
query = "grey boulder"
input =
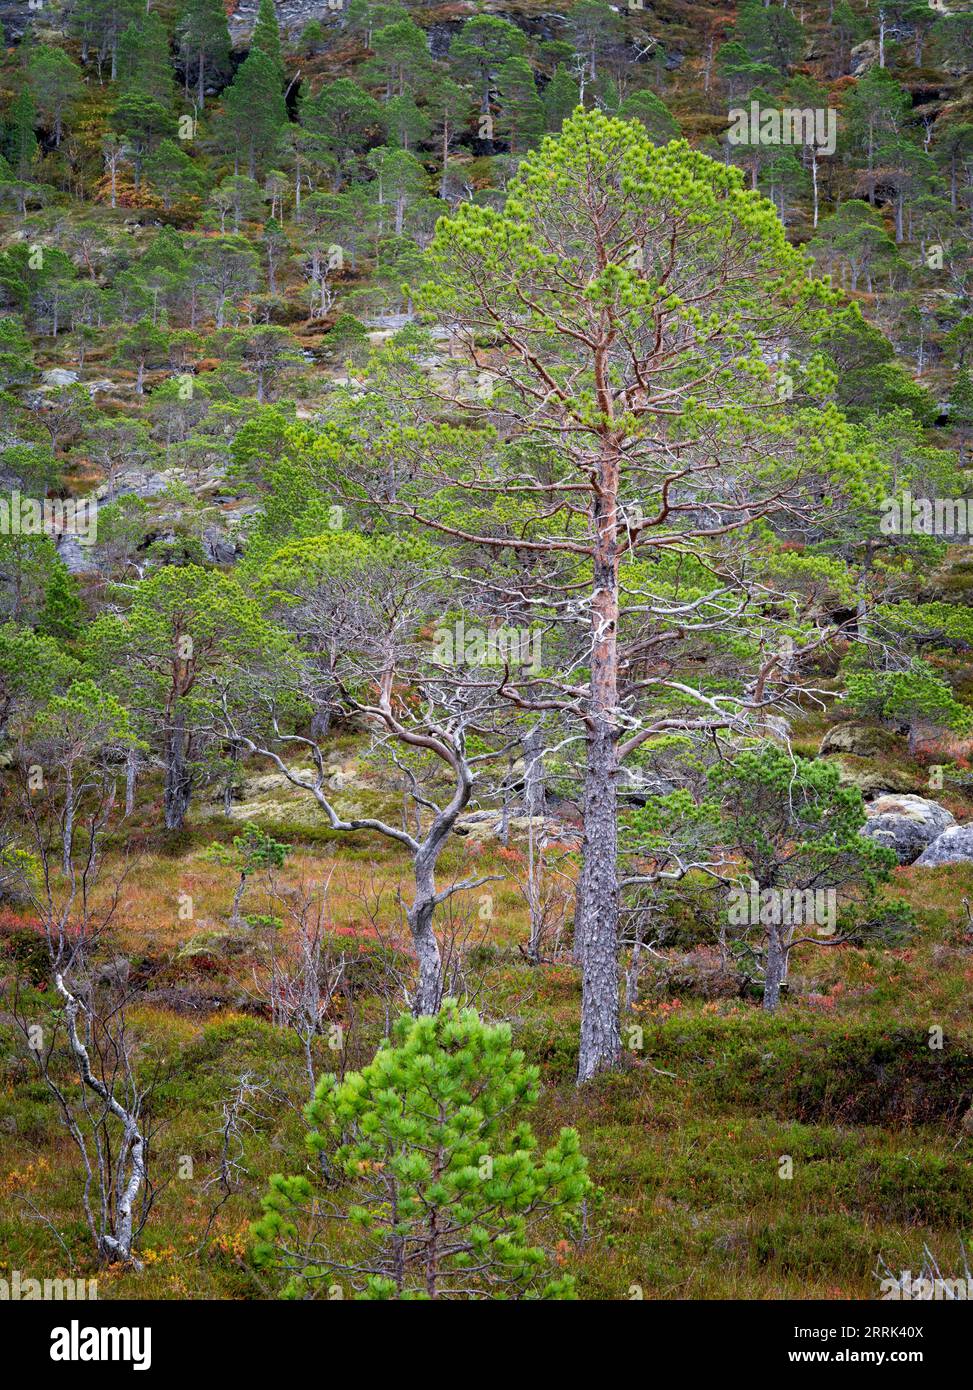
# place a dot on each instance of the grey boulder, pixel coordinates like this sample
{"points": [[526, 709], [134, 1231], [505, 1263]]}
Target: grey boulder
{"points": [[954, 846], [906, 824]]}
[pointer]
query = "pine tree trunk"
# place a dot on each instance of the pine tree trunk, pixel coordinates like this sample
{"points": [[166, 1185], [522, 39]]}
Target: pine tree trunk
{"points": [[429, 990], [68, 842], [178, 788], [597, 900], [131, 771], [535, 791], [598, 912], [774, 969]]}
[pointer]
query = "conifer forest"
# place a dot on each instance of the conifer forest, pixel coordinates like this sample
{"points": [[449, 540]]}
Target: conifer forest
{"points": [[486, 657]]}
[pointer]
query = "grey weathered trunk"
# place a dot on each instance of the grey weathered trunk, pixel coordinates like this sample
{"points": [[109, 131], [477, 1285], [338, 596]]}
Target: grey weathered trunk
{"points": [[597, 909], [68, 841], [128, 1173], [596, 914], [429, 990], [323, 715], [131, 773], [236, 918], [535, 790], [775, 968], [178, 788]]}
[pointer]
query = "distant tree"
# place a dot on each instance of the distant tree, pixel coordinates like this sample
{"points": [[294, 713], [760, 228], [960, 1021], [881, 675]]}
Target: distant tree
{"points": [[250, 852], [16, 353], [100, 24], [240, 196], [265, 352], [796, 828], [877, 110], [920, 16], [56, 83], [253, 111], [406, 124], [909, 696], [770, 33], [33, 465], [521, 110], [143, 59], [401, 61], [33, 669], [345, 118], [652, 111], [20, 143], [961, 413], [313, 38], [560, 97], [274, 244], [596, 28], [483, 44], [449, 106], [63, 411], [226, 267], [742, 73], [189, 640], [952, 37], [853, 239], [26, 565], [265, 38], [348, 339], [143, 122], [63, 612], [400, 181], [82, 729], [146, 346], [124, 527], [172, 174], [204, 42]]}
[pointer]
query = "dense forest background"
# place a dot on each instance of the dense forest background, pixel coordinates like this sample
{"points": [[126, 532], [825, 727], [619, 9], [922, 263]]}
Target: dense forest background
{"points": [[475, 496]]}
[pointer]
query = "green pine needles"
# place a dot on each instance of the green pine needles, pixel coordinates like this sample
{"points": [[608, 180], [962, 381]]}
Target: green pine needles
{"points": [[435, 1185]]}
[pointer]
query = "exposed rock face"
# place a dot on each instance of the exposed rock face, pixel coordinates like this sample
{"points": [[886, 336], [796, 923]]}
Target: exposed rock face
{"points": [[864, 56], [292, 16], [16, 16], [953, 846], [218, 548], [906, 824], [60, 376], [135, 482], [870, 775], [863, 740], [78, 558], [489, 825]]}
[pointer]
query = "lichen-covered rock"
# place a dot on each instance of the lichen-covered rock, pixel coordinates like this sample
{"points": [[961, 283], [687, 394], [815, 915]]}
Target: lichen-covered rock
{"points": [[871, 776], [953, 846], [59, 376], [906, 824], [861, 740]]}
